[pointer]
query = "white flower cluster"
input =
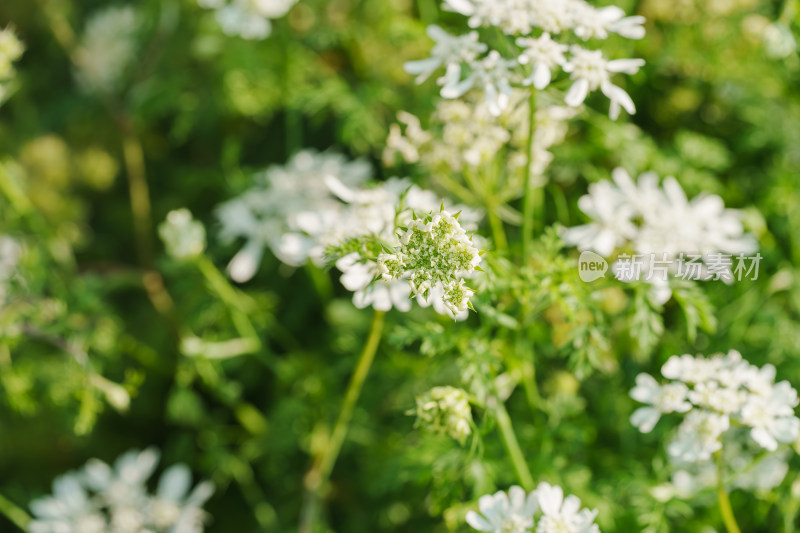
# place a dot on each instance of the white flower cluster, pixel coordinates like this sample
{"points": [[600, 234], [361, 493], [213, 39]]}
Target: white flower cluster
{"points": [[102, 499], [715, 394], [320, 200], [10, 51], [651, 219], [465, 136], [744, 467], [469, 64], [248, 19], [285, 200], [106, 49], [183, 236], [445, 410], [544, 510], [434, 253]]}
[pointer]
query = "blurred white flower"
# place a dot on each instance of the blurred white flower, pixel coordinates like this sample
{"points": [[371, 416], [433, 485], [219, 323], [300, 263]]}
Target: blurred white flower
{"points": [[591, 71], [544, 55], [662, 399], [102, 499], [491, 74], [505, 512], [698, 436], [106, 49], [659, 221], [283, 200], [563, 515], [248, 19], [718, 392], [183, 236], [449, 51]]}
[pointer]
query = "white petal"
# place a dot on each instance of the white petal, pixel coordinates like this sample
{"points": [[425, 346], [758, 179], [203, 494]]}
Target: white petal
{"points": [[577, 93], [541, 76]]}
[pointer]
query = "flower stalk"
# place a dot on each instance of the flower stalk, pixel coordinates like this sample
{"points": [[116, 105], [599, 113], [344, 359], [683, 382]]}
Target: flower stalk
{"points": [[317, 477], [724, 501], [511, 443], [532, 195]]}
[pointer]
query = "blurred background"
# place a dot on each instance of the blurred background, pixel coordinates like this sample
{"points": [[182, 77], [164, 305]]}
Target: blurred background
{"points": [[105, 129]]}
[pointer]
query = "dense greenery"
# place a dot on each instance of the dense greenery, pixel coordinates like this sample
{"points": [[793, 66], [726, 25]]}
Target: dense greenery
{"points": [[107, 342]]}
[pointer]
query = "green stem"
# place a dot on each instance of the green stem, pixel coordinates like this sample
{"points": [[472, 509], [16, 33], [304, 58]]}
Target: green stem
{"points": [[232, 299], [725, 508], [14, 513], [511, 443], [529, 200], [320, 472], [498, 232]]}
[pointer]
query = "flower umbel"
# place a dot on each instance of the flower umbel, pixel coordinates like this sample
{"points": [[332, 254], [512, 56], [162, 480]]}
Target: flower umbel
{"points": [[445, 410], [719, 393], [434, 252]]}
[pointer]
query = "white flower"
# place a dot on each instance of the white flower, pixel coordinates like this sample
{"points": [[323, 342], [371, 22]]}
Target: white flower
{"points": [[183, 236], [544, 55], [503, 512], [434, 251], [449, 52], [490, 74], [382, 295], [106, 49], [248, 19], [663, 399], [101, 499], [284, 200], [68, 510], [612, 220], [593, 22], [562, 515], [698, 436], [724, 388], [175, 506], [591, 70], [660, 223], [772, 417]]}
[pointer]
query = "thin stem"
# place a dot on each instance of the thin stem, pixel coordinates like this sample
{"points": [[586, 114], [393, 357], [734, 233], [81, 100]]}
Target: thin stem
{"points": [[14, 513], [511, 443], [529, 200], [232, 299], [317, 477], [725, 508], [498, 232], [133, 156]]}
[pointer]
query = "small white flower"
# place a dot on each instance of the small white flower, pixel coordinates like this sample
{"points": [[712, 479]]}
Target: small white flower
{"points": [[772, 418], [490, 74], [183, 236], [107, 48], [544, 55], [562, 515], [449, 52], [663, 399], [593, 22], [248, 19], [591, 71], [502, 512], [699, 436], [101, 499]]}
